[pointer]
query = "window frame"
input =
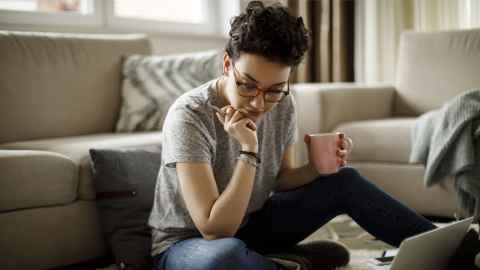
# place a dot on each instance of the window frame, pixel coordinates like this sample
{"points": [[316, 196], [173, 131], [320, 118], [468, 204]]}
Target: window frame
{"points": [[53, 18], [131, 24], [103, 19]]}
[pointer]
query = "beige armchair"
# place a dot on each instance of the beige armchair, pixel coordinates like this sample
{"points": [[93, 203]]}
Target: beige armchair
{"points": [[432, 68]]}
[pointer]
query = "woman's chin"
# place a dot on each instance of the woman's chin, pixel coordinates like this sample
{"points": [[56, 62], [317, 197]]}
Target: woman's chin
{"points": [[255, 118]]}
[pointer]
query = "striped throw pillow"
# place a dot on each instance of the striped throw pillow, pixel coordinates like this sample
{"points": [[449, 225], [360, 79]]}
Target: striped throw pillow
{"points": [[152, 83]]}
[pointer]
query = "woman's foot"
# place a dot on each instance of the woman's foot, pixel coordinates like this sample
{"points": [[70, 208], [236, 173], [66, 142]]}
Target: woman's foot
{"points": [[324, 254]]}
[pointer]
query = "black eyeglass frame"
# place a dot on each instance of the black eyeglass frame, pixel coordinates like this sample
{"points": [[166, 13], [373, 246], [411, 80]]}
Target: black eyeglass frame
{"points": [[258, 88]]}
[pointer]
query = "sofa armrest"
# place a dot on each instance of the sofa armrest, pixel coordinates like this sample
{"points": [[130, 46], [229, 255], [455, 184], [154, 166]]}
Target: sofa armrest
{"points": [[322, 107]]}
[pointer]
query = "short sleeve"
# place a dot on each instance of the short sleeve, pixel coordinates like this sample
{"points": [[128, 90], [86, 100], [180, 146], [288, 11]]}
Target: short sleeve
{"points": [[185, 138]]}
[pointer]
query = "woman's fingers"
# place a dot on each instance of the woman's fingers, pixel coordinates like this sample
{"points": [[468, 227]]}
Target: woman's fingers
{"points": [[342, 153], [248, 123], [220, 118], [237, 115], [224, 109], [341, 143], [245, 112], [306, 139], [228, 114], [243, 115], [342, 156], [251, 124], [233, 116]]}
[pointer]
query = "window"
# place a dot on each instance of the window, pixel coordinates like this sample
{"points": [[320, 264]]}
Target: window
{"points": [[55, 6], [171, 16], [166, 15], [181, 11], [52, 12]]}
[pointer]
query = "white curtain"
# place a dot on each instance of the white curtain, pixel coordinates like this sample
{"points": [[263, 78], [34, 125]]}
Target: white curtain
{"points": [[379, 23]]}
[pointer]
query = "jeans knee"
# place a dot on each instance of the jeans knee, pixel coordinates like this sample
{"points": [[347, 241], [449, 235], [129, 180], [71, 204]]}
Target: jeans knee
{"points": [[346, 177], [229, 252], [344, 174], [353, 178], [349, 172], [231, 244]]}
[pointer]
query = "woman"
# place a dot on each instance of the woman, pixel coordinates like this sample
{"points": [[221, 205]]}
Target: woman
{"points": [[227, 192]]}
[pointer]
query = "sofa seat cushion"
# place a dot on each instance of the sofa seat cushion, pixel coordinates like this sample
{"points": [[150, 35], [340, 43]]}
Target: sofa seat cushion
{"points": [[51, 237], [405, 183], [384, 140], [31, 179], [76, 148]]}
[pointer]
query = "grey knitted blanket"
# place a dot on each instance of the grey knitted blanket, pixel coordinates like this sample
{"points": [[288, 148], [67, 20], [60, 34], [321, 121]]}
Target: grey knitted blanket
{"points": [[447, 141]]}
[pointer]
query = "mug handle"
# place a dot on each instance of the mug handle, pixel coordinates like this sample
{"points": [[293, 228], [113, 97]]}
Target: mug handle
{"points": [[349, 144], [307, 139]]}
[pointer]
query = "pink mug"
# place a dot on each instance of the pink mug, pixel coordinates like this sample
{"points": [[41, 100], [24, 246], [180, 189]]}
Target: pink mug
{"points": [[323, 150]]}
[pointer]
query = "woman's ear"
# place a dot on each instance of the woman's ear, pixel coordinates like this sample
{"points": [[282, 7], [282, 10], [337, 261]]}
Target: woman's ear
{"points": [[226, 63]]}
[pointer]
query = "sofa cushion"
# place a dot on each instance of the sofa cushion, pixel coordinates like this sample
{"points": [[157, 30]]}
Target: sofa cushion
{"points": [[51, 237], [386, 140], [59, 85], [31, 179], [405, 183], [152, 83], [125, 185], [433, 67], [76, 148]]}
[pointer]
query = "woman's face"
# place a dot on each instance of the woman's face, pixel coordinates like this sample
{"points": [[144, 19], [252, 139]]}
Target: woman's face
{"points": [[252, 73]]}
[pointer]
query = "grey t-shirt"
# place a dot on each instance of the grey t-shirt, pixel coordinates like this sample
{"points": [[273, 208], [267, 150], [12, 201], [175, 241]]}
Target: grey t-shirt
{"points": [[192, 132]]}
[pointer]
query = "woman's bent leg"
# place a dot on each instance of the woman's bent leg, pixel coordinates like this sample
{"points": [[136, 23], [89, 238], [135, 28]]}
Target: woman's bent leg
{"points": [[289, 217], [200, 254]]}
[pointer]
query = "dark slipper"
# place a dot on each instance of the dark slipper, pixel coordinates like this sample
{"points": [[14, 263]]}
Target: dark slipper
{"points": [[321, 255], [298, 261]]}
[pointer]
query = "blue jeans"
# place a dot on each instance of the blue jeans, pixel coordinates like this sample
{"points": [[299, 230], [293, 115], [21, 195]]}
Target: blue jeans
{"points": [[289, 217]]}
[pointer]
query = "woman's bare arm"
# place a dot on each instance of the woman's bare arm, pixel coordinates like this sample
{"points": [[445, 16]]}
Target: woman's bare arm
{"points": [[216, 215], [291, 177]]}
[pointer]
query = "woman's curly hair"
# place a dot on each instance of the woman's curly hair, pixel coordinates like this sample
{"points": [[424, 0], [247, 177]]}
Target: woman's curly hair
{"points": [[270, 32]]}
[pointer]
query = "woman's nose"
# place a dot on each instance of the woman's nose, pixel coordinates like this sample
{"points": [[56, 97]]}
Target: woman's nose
{"points": [[258, 102]]}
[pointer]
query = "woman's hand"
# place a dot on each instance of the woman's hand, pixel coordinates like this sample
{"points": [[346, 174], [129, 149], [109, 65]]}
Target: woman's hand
{"points": [[242, 128], [342, 152]]}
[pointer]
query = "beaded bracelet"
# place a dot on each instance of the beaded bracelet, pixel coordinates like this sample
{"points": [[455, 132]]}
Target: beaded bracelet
{"points": [[252, 154], [249, 160]]}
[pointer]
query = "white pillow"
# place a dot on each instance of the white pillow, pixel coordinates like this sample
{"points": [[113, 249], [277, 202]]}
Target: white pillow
{"points": [[152, 83]]}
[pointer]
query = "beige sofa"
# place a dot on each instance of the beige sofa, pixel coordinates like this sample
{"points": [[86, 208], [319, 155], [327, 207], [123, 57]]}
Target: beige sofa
{"points": [[59, 96], [431, 69]]}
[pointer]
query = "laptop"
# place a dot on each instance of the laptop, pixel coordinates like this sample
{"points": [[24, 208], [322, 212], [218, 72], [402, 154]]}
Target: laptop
{"points": [[430, 250]]}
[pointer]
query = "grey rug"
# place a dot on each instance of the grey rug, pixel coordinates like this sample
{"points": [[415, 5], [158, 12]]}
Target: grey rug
{"points": [[361, 244]]}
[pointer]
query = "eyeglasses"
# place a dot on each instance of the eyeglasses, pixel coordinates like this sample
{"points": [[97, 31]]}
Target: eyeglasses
{"points": [[252, 90]]}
